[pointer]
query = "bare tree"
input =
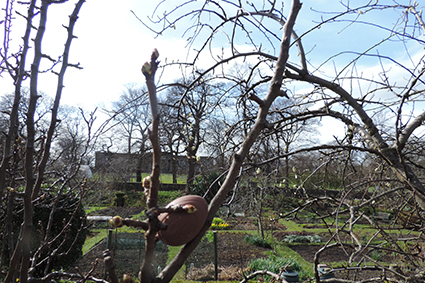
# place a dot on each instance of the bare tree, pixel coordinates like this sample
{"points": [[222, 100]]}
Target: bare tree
{"points": [[264, 104], [129, 122], [130, 114], [171, 135], [218, 142], [290, 131], [26, 155], [192, 107], [354, 96]]}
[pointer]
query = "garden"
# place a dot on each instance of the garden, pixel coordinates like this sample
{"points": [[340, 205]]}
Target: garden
{"points": [[243, 247]]}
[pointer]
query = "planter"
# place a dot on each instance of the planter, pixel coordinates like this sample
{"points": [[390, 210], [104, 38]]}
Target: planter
{"points": [[325, 272], [290, 276]]}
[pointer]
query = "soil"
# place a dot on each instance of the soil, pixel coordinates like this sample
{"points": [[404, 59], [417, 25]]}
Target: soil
{"points": [[233, 252]]}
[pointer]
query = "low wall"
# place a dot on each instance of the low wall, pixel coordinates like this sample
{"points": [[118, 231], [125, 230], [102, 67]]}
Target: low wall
{"points": [[134, 186]]}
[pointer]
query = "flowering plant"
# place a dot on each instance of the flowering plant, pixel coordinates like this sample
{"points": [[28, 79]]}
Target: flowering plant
{"points": [[219, 224]]}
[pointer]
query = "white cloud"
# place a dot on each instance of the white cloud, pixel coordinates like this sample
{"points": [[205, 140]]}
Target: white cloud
{"points": [[111, 47]]}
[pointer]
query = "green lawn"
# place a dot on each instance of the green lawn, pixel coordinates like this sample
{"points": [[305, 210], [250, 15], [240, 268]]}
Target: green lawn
{"points": [[165, 178], [91, 209], [98, 235]]}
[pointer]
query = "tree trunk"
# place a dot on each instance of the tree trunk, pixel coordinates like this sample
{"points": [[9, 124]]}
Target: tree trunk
{"points": [[286, 167], [274, 91], [190, 173], [259, 211], [174, 168]]}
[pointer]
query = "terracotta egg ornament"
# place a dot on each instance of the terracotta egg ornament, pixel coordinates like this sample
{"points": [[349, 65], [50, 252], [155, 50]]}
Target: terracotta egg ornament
{"points": [[183, 226]]}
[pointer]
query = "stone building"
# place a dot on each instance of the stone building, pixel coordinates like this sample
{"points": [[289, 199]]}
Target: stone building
{"points": [[127, 165]]}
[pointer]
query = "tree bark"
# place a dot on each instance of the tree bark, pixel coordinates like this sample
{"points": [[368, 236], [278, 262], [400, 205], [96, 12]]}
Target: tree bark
{"points": [[13, 129], [274, 91], [32, 185], [146, 274]]}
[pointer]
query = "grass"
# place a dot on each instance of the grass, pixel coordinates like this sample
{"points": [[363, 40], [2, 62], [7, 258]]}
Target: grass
{"points": [[91, 209], [292, 226], [285, 251], [181, 274], [165, 178], [274, 263], [99, 235]]}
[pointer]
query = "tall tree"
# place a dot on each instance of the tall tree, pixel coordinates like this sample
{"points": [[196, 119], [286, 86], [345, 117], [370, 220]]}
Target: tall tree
{"points": [[149, 70], [171, 133], [218, 142], [350, 94], [131, 116], [193, 103], [28, 146], [291, 131], [131, 119], [72, 138]]}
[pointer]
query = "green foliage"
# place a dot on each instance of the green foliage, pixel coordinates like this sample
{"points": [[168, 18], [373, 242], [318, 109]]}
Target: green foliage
{"points": [[202, 183], [257, 241], [63, 213], [97, 236], [134, 198], [209, 236], [283, 250], [219, 224], [217, 220], [275, 263], [92, 209], [164, 197], [302, 239], [376, 255]]}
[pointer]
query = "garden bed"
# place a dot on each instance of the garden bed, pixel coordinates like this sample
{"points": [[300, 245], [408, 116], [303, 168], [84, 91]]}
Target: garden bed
{"points": [[234, 254]]}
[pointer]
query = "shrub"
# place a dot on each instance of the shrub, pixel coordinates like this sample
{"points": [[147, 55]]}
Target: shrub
{"points": [[257, 241], [275, 263], [135, 199], [63, 213], [219, 224], [165, 197], [302, 239], [201, 184], [209, 236], [376, 255]]}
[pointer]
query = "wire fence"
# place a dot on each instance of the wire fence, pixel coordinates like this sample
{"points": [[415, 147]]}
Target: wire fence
{"points": [[128, 250]]}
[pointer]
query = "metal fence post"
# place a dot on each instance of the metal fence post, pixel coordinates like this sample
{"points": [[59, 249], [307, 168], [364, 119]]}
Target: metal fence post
{"points": [[109, 239], [215, 256], [109, 247]]}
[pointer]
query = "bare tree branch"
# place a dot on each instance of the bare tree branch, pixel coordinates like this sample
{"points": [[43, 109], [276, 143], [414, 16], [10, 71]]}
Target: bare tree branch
{"points": [[238, 158]]}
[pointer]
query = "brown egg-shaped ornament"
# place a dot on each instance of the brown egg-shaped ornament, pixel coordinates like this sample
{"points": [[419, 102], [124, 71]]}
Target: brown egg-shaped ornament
{"points": [[183, 226]]}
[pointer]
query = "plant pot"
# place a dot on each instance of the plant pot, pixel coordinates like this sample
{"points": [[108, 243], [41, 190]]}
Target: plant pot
{"points": [[290, 276], [325, 272]]}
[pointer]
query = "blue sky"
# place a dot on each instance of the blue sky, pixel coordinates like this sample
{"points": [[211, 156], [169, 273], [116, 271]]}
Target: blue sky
{"points": [[112, 44]]}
